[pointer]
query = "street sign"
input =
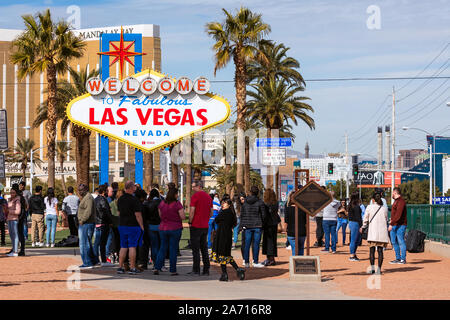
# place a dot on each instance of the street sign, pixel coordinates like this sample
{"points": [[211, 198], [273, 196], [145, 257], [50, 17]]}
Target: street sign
{"points": [[441, 200], [2, 166], [312, 198], [3, 130], [274, 157], [273, 142], [297, 163]]}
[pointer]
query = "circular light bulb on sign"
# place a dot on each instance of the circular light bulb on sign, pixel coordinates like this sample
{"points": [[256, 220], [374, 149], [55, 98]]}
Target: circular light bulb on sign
{"points": [[148, 86], [184, 85], [201, 85], [94, 86], [130, 85], [166, 86], [113, 85]]}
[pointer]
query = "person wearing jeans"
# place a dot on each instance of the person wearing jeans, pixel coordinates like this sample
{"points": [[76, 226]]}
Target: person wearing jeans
{"points": [[253, 239], [397, 227], [289, 219], [50, 222], [329, 224], [86, 226], [342, 221], [200, 211], [103, 221], [14, 235], [14, 210], [397, 234], [51, 216], [170, 239], [85, 234], [172, 214], [253, 215], [354, 224]]}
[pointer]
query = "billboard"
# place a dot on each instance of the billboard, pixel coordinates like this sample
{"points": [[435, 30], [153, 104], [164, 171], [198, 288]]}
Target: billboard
{"points": [[377, 179]]}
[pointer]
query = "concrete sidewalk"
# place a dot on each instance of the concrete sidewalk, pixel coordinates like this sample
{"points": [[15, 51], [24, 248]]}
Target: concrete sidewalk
{"points": [[198, 287]]}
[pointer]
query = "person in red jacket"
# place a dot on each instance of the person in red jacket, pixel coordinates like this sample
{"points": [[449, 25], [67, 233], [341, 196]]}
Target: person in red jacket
{"points": [[397, 227]]}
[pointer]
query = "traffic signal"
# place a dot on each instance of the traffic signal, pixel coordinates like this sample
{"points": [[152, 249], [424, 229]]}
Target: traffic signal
{"points": [[121, 172], [355, 170], [330, 168]]}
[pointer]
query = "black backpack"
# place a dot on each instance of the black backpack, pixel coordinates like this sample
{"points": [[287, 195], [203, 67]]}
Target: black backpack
{"points": [[415, 241]]}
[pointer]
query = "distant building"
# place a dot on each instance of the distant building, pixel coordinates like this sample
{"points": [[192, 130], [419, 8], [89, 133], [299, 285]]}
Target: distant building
{"points": [[441, 148], [406, 159], [446, 173]]}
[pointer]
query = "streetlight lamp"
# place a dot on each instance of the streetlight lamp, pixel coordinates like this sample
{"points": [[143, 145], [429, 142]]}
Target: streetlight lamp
{"points": [[32, 165], [432, 173]]}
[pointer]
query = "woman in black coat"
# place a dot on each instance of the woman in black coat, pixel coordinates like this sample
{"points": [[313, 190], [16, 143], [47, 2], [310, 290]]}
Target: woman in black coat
{"points": [[270, 229], [221, 249]]}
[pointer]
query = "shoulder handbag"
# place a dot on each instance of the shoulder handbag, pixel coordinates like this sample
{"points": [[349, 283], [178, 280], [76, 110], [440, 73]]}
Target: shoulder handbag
{"points": [[365, 230]]}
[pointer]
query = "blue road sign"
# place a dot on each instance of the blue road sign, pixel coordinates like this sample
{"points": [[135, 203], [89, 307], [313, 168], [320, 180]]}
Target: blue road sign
{"points": [[333, 182], [441, 200], [273, 142]]}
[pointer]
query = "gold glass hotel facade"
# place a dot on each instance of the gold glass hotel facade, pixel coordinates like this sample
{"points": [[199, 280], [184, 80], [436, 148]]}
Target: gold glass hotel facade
{"points": [[21, 98]]}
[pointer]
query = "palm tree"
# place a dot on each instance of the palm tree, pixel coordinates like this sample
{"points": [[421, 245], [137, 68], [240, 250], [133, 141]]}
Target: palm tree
{"points": [[48, 47], [236, 39], [22, 154], [274, 104], [227, 179], [148, 170], [62, 148], [273, 63], [65, 92]]}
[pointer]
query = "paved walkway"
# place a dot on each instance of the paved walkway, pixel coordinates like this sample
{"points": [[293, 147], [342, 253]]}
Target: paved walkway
{"points": [[199, 287]]}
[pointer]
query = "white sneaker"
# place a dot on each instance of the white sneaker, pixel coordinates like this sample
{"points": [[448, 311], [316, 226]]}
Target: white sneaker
{"points": [[288, 248], [107, 264], [246, 265], [47, 245], [258, 265], [33, 245], [41, 244], [52, 245], [12, 254]]}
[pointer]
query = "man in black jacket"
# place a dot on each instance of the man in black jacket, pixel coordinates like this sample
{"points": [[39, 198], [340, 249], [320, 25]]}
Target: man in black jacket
{"points": [[253, 213], [103, 222], [37, 209]]}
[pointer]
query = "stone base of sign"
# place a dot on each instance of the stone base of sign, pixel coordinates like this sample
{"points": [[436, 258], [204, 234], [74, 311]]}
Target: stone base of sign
{"points": [[304, 268]]}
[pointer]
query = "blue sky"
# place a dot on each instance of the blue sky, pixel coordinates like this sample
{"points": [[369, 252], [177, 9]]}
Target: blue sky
{"points": [[330, 39]]}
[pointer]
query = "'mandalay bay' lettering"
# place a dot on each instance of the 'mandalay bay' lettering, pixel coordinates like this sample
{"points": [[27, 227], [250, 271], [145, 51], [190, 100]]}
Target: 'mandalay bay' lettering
{"points": [[135, 101]]}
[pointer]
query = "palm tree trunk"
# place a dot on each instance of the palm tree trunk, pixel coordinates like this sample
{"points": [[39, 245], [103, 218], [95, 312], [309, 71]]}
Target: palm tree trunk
{"points": [[63, 182], [51, 124], [24, 171], [241, 93], [148, 170], [277, 178], [229, 186], [82, 155], [188, 170], [174, 167], [269, 168], [247, 183]]}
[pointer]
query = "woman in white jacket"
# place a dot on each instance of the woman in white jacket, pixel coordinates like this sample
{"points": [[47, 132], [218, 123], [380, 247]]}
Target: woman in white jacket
{"points": [[376, 217]]}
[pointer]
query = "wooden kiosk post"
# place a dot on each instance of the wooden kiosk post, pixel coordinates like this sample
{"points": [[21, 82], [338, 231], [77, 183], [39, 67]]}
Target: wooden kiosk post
{"points": [[311, 198]]}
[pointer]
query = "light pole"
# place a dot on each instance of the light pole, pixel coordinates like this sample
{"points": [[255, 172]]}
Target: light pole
{"points": [[431, 147]]}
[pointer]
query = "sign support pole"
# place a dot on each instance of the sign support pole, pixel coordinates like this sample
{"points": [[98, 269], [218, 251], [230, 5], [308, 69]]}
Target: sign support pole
{"points": [[297, 181], [105, 39]]}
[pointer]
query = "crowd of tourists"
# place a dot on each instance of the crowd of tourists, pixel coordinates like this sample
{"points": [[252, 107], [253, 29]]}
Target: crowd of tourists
{"points": [[136, 229], [339, 214]]}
